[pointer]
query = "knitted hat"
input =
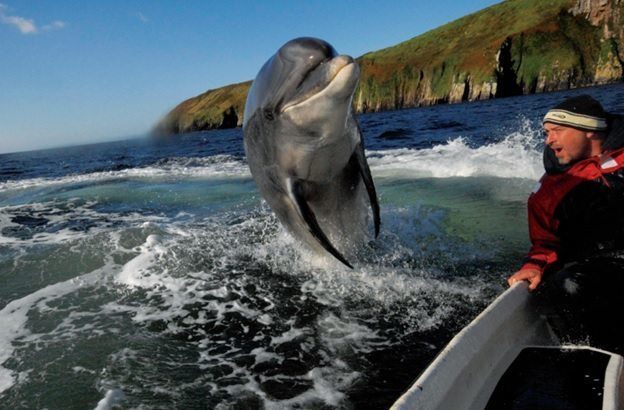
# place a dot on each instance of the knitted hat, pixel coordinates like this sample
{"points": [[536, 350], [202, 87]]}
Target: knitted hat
{"points": [[581, 112]]}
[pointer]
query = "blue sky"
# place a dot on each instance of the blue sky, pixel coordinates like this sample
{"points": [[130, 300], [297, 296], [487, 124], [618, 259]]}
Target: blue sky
{"points": [[80, 72]]}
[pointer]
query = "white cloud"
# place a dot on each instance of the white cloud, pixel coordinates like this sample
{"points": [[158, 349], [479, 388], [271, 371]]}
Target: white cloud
{"points": [[55, 25], [25, 25], [142, 17]]}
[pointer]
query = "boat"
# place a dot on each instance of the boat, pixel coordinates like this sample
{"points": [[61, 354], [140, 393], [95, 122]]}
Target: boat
{"points": [[508, 357]]}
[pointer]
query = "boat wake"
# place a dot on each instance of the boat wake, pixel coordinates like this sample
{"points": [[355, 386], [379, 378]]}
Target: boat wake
{"points": [[229, 307]]}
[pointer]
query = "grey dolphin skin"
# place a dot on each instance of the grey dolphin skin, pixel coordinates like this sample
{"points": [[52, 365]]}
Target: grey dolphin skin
{"points": [[304, 146]]}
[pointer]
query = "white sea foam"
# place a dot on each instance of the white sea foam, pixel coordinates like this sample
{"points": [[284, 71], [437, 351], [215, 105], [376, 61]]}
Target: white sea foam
{"points": [[290, 335], [110, 400], [15, 315], [328, 385], [215, 167], [514, 157], [56, 215], [153, 269], [339, 333], [156, 271]]}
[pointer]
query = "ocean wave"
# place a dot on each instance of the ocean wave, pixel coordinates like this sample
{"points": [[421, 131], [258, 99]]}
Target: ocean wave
{"points": [[257, 276], [218, 166], [58, 222], [14, 317], [516, 156], [228, 287]]}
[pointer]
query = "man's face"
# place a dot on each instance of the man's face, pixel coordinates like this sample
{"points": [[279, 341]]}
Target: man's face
{"points": [[569, 144]]}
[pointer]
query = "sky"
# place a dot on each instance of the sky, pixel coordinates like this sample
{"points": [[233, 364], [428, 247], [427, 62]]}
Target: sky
{"points": [[79, 72]]}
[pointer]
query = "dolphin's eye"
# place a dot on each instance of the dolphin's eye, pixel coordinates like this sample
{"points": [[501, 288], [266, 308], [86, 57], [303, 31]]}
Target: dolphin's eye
{"points": [[268, 114]]}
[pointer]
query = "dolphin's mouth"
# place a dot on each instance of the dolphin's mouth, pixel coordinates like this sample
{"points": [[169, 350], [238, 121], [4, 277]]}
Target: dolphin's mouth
{"points": [[335, 74]]}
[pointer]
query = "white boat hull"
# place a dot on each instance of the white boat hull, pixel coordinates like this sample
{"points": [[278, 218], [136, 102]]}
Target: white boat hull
{"points": [[466, 372]]}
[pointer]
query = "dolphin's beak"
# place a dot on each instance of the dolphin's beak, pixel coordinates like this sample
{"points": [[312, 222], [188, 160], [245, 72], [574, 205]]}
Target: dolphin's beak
{"points": [[336, 78]]}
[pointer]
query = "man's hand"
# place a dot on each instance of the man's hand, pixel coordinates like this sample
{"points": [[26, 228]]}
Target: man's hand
{"points": [[533, 276]]}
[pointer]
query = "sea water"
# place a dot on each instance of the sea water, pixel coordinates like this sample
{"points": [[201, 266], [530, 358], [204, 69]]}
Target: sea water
{"points": [[148, 274]]}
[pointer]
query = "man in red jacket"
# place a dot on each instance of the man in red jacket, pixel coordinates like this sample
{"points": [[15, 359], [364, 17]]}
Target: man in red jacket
{"points": [[576, 214]]}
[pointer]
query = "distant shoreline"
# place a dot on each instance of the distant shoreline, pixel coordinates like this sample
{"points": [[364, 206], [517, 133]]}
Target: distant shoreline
{"points": [[555, 46]]}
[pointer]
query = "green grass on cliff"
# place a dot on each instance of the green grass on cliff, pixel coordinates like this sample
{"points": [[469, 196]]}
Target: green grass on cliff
{"points": [[207, 110], [546, 48], [467, 48]]}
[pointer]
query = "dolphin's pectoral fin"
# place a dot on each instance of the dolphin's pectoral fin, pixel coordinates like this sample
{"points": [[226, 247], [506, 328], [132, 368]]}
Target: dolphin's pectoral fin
{"points": [[370, 186], [295, 190]]}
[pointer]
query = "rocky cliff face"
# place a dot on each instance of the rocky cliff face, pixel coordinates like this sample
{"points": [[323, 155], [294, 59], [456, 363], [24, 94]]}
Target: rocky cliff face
{"points": [[608, 16], [214, 109], [599, 13], [513, 48], [562, 45]]}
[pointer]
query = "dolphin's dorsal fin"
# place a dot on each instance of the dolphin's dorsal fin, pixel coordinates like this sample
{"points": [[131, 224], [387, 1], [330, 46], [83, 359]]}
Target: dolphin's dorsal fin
{"points": [[368, 182], [295, 191]]}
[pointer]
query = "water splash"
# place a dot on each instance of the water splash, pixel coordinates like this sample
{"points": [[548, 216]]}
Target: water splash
{"points": [[518, 155]]}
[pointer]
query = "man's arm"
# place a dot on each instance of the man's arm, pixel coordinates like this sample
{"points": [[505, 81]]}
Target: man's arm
{"points": [[544, 245]]}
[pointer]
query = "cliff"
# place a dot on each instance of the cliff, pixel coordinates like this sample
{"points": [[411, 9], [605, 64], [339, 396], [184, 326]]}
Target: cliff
{"points": [[219, 108], [516, 47], [512, 48]]}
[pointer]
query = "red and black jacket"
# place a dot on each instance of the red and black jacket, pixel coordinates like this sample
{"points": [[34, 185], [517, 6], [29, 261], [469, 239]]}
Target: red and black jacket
{"points": [[578, 211]]}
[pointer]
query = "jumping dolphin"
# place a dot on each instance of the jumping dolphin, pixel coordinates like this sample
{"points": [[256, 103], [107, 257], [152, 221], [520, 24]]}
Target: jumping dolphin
{"points": [[304, 146]]}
